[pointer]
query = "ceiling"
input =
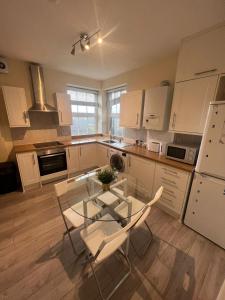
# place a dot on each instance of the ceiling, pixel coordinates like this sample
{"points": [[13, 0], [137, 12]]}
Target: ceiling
{"points": [[135, 31]]}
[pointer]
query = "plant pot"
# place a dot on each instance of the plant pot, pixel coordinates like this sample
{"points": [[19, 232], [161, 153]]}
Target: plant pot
{"points": [[106, 187]]}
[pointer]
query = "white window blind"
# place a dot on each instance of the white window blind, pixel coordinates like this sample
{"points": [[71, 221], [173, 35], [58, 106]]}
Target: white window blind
{"points": [[113, 103], [84, 105]]}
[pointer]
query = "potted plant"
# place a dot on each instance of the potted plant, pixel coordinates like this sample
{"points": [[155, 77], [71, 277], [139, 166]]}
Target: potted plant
{"points": [[106, 177]]}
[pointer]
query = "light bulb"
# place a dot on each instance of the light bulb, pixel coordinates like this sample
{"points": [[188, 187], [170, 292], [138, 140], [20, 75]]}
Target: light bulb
{"points": [[99, 40], [87, 47]]}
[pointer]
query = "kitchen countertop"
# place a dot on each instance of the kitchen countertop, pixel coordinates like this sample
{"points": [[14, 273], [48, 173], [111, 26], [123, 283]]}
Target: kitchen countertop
{"points": [[132, 149]]}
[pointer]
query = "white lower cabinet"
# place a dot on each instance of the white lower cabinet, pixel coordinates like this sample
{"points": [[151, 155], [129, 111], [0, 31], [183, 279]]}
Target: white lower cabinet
{"points": [[102, 155], [87, 156], [72, 157], [28, 168], [176, 184], [81, 157], [143, 170]]}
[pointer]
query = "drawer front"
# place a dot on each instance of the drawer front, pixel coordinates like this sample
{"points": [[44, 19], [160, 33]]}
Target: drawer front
{"points": [[171, 177], [172, 199]]}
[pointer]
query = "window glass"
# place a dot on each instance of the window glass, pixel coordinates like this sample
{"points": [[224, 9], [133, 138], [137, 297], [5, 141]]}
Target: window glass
{"points": [[84, 103], [113, 103]]}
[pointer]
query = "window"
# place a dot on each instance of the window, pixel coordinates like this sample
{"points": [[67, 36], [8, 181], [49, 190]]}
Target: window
{"points": [[84, 105], [113, 103]]}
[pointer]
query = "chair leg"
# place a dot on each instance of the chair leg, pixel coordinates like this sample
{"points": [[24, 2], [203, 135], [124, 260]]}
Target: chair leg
{"points": [[96, 279], [147, 245], [118, 284]]}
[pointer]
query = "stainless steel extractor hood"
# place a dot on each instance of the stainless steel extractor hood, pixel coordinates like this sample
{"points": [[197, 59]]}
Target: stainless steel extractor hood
{"points": [[40, 104]]}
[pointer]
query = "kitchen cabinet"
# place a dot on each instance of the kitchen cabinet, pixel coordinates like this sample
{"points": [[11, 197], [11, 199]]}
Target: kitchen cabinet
{"points": [[190, 104], [102, 155], [176, 184], [28, 168], [87, 156], [202, 55], [143, 170], [157, 108], [131, 109], [72, 157], [63, 104], [16, 106]]}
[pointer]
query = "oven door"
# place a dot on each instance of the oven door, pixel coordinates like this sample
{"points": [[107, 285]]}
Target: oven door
{"points": [[52, 163]]}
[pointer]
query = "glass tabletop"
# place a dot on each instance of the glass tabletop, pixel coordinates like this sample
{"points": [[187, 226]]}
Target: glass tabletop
{"points": [[122, 199]]}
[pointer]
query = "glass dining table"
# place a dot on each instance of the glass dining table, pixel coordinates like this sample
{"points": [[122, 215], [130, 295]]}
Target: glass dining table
{"points": [[125, 198]]}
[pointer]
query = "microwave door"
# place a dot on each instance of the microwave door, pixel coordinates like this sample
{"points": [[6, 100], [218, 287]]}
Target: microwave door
{"points": [[176, 153]]}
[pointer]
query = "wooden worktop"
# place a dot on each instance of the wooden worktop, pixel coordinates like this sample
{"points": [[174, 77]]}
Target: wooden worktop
{"points": [[135, 150]]}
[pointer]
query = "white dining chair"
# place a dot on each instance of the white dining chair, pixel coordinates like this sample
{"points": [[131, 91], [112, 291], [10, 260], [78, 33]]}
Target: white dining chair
{"points": [[102, 239], [137, 205], [75, 213]]}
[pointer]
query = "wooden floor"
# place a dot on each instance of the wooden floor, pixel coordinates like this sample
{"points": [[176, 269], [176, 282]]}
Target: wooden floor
{"points": [[35, 262]]}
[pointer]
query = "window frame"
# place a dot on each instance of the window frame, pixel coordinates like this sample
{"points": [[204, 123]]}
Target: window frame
{"points": [[110, 103], [94, 104]]}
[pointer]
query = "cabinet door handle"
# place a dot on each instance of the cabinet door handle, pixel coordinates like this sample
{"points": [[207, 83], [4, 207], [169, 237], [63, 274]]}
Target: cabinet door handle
{"points": [[33, 159], [25, 116], [137, 119], [205, 72], [174, 120], [153, 116], [69, 152], [170, 171]]}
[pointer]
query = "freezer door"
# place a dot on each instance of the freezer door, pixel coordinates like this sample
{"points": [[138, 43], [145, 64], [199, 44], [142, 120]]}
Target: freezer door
{"points": [[206, 208], [211, 158]]}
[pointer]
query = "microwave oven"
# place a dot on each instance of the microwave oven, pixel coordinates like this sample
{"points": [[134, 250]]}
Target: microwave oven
{"points": [[185, 154]]}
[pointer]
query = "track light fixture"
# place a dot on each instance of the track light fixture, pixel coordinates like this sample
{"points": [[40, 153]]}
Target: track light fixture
{"points": [[85, 41]]}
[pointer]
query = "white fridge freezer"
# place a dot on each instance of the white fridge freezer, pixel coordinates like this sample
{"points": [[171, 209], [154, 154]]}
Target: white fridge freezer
{"points": [[211, 159], [206, 205], [206, 208]]}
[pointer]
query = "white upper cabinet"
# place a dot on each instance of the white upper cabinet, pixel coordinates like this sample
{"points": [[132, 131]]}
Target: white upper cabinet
{"points": [[157, 108], [190, 104], [16, 106], [131, 107], [202, 55], [63, 104]]}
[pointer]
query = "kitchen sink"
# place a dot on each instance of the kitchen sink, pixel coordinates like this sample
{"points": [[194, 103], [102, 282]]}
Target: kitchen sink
{"points": [[110, 142]]}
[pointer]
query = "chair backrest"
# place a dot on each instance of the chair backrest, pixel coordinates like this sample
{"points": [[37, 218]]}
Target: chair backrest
{"points": [[158, 195], [113, 242], [101, 168], [147, 209], [67, 185]]}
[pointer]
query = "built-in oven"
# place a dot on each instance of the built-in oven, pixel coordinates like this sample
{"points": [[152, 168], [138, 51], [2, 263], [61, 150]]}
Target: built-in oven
{"points": [[52, 161]]}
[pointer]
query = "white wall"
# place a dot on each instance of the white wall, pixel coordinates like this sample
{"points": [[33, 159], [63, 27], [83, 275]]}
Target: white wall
{"points": [[43, 126], [142, 78]]}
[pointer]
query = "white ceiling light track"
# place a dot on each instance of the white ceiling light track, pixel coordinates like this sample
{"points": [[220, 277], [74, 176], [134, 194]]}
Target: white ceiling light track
{"points": [[85, 41]]}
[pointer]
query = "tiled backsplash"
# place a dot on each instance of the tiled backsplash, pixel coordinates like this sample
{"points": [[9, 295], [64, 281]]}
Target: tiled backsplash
{"points": [[162, 136]]}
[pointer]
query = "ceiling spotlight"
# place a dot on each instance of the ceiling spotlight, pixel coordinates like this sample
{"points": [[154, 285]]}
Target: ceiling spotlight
{"points": [[99, 40], [85, 42]]}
